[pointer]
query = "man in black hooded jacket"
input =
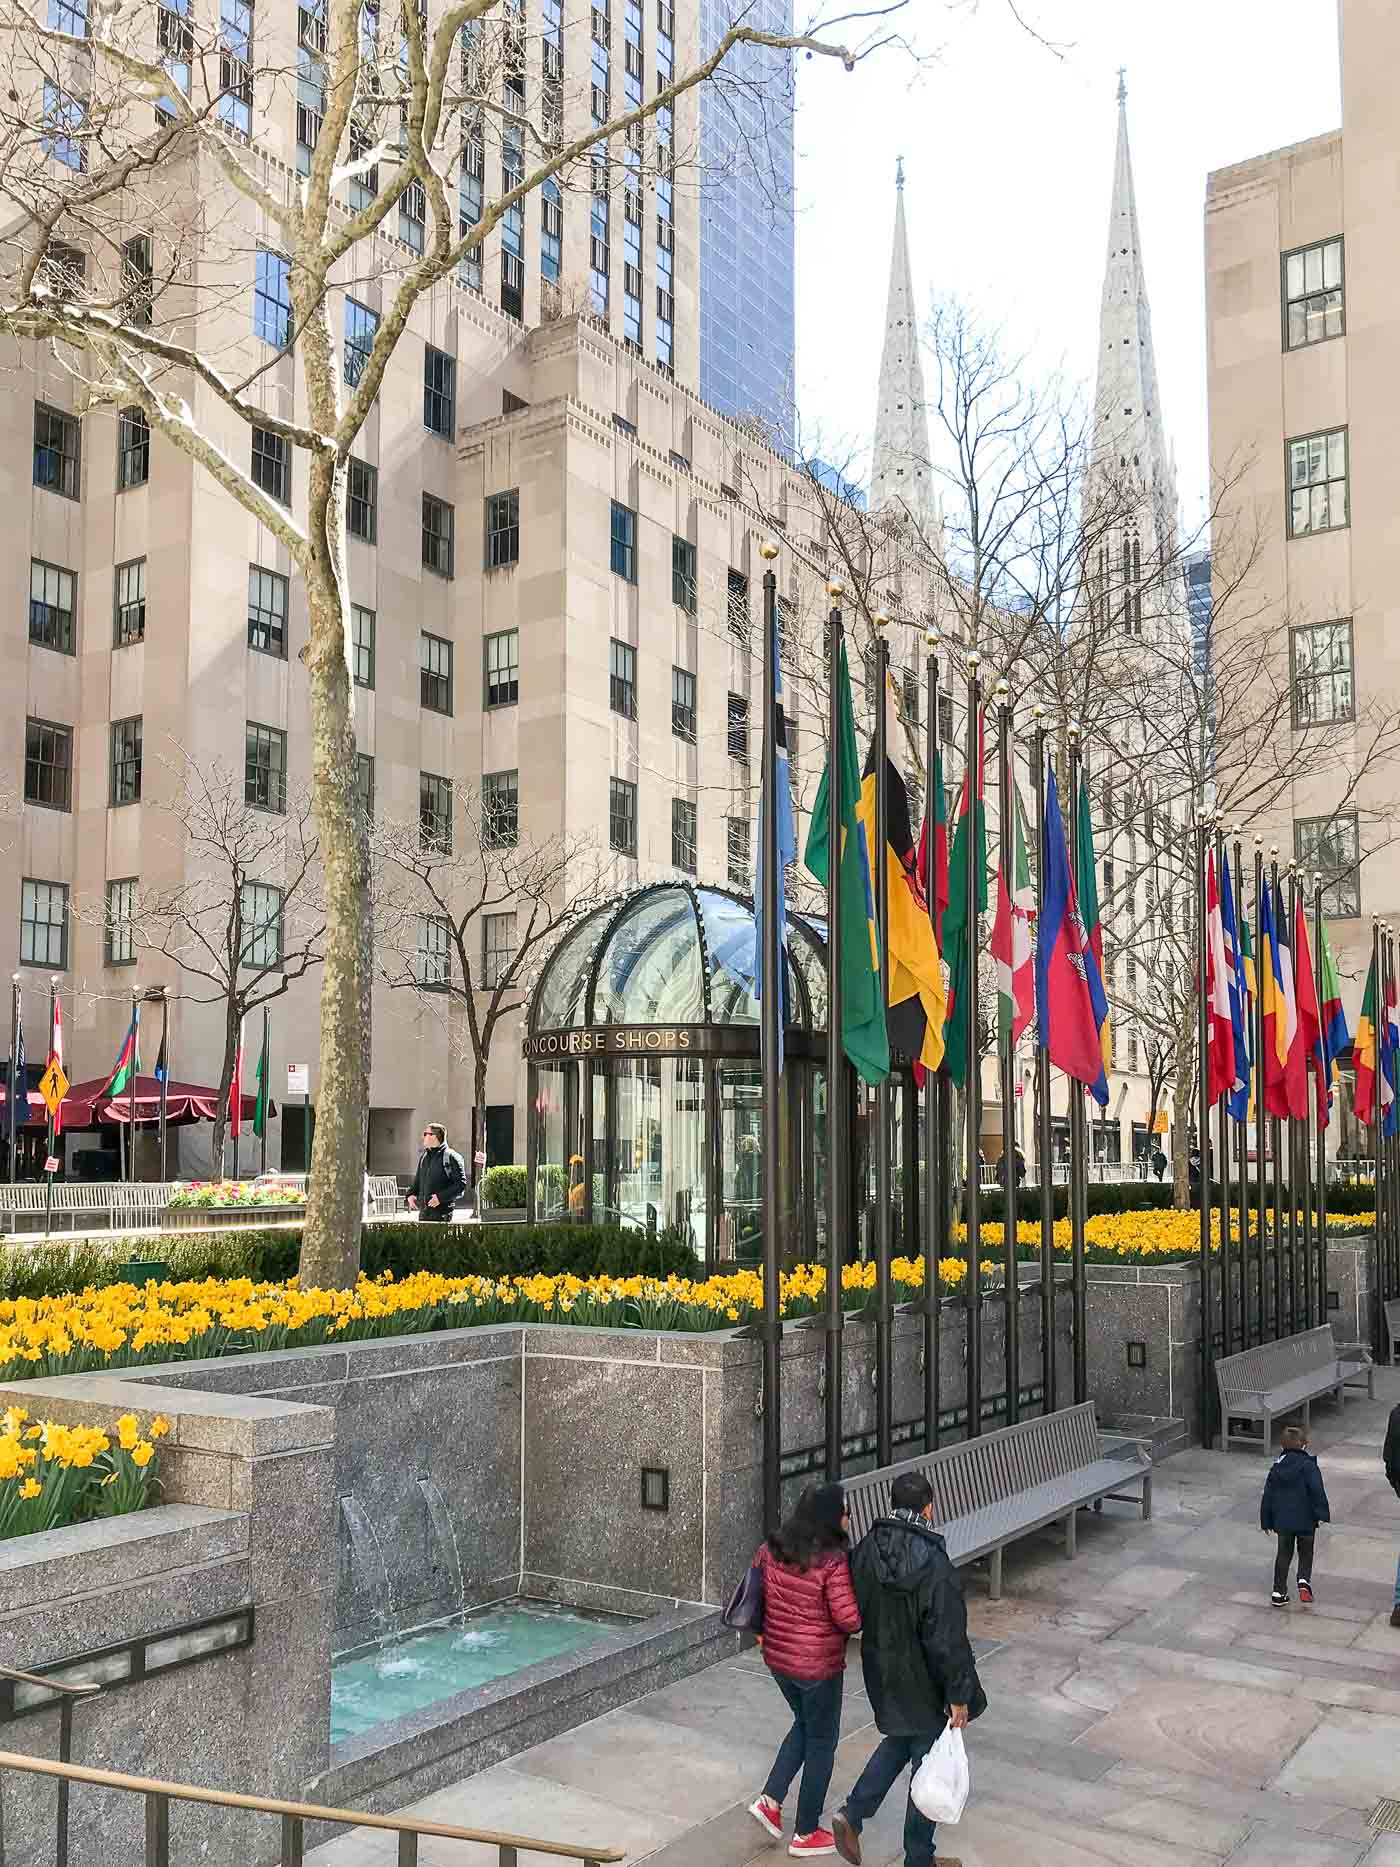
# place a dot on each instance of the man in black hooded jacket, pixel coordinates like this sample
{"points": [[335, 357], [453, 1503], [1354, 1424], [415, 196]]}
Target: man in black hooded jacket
{"points": [[919, 1670], [1392, 1472]]}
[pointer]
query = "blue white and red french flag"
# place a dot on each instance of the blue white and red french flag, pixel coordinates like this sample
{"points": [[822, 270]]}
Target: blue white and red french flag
{"points": [[1069, 993]]}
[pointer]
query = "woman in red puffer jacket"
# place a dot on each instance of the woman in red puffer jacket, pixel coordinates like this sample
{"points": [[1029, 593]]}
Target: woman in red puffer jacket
{"points": [[809, 1612]]}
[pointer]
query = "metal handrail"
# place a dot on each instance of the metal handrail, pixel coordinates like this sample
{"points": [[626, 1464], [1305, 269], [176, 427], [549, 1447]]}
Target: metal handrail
{"points": [[294, 1815]]}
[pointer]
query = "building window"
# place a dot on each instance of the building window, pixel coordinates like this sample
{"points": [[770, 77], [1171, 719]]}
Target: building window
{"points": [[738, 603], [502, 529], [738, 836], [43, 925], [267, 611], [683, 589], [502, 655], [69, 16], [236, 64], [362, 501], [272, 299], [362, 645], [1313, 306], [53, 600], [57, 450], [413, 215], [126, 762], [260, 909], [739, 728], [1331, 846], [360, 326], [1317, 483], [438, 528], [439, 391], [64, 117], [434, 813], [138, 279], [48, 765], [683, 704], [500, 810], [272, 465], [497, 948], [551, 230], [64, 268], [265, 767], [119, 924], [364, 783], [1323, 693], [622, 679], [129, 611], [435, 672], [622, 816], [175, 38], [433, 965], [624, 541], [683, 835], [133, 449]]}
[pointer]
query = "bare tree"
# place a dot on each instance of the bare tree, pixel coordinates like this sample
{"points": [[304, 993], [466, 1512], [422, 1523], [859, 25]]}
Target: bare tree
{"points": [[469, 908], [136, 114]]}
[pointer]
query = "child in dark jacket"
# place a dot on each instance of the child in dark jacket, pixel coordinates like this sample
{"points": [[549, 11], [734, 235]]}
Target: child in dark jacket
{"points": [[1293, 1505]]}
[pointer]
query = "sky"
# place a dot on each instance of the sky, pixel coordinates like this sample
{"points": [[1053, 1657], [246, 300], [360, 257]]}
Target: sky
{"points": [[1008, 155]]}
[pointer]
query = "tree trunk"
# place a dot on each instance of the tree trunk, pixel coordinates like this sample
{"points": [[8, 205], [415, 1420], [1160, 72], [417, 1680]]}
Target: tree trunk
{"points": [[330, 1251], [1184, 1104], [225, 1084], [473, 1173]]}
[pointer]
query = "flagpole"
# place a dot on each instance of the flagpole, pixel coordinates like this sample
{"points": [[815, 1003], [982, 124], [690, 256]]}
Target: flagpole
{"points": [[1380, 1273], [48, 1171], [164, 1084], [16, 1088], [1242, 1126], [1323, 1098], [262, 1152], [1078, 1198], [935, 1085], [771, 962], [1045, 1173], [1207, 1411], [1290, 1125], [1011, 1275], [884, 1308], [1222, 1130], [1264, 1232], [1388, 1147], [972, 1182], [1303, 1134], [1276, 1141], [837, 1101]]}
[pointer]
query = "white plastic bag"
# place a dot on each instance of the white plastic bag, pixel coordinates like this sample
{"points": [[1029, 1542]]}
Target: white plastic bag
{"points": [[942, 1780]]}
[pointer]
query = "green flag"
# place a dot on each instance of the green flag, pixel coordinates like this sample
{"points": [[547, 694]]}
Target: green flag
{"points": [[960, 936], [260, 1106], [864, 1036]]}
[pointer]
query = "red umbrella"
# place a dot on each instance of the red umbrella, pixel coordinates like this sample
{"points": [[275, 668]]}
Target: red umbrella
{"points": [[87, 1104]]}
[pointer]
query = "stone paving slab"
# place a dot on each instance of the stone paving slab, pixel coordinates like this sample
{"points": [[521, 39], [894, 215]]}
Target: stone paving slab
{"points": [[1149, 1708]]}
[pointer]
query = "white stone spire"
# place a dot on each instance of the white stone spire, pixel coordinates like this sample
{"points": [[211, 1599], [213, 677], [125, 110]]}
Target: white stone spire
{"points": [[901, 474]]}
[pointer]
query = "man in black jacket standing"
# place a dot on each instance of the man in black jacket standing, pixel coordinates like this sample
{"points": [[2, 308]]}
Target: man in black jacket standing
{"points": [[441, 1178], [919, 1670], [1392, 1472]]}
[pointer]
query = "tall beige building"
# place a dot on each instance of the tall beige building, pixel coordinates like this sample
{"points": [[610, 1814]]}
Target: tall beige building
{"points": [[1304, 326]]}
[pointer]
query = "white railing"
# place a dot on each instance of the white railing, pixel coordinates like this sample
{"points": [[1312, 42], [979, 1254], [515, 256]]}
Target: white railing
{"points": [[1097, 1173], [142, 1205]]}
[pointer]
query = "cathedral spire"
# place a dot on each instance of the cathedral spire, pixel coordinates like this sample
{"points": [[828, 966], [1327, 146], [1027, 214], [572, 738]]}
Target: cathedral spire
{"points": [[902, 475]]}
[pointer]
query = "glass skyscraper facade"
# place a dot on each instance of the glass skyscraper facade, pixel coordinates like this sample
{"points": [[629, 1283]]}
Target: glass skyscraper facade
{"points": [[747, 260]]}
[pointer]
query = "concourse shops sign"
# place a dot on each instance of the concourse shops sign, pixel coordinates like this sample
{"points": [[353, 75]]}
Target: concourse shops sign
{"points": [[599, 1042]]}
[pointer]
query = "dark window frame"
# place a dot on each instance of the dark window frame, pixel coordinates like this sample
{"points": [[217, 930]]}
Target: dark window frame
{"points": [[439, 549], [685, 834], [436, 800], [128, 609], [685, 575], [624, 541], [267, 625], [271, 469], [124, 762], [503, 529], [362, 500], [43, 772], [265, 778], [683, 709], [622, 816], [46, 960], [61, 444], [133, 448], [500, 809], [737, 713], [1297, 682], [439, 392], [66, 629], [359, 648], [495, 681], [435, 683], [622, 678], [259, 927], [119, 949], [1305, 297], [1300, 440], [1337, 877]]}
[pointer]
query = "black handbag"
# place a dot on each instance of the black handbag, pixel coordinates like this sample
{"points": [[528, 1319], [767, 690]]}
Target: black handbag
{"points": [[745, 1611]]}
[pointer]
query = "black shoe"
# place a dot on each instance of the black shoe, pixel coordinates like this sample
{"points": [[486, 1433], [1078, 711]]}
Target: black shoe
{"points": [[848, 1841], [1279, 1598]]}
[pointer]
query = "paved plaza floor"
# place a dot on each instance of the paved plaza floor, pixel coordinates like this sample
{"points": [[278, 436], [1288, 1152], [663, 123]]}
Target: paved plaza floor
{"points": [[1149, 1706]]}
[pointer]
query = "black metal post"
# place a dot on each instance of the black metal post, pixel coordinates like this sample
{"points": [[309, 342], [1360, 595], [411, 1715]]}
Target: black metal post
{"points": [[1276, 1138], [18, 1085], [164, 1083], [157, 1830], [1319, 988], [1222, 1130], [1261, 1161], [265, 1070], [65, 1755], [49, 1146], [1301, 1149], [1011, 1274], [884, 1300], [1285, 935], [838, 1122], [1388, 1149], [1078, 1177], [1045, 1173], [972, 1182], [771, 962], [1380, 1265], [1242, 1126], [936, 1196], [1207, 1410]]}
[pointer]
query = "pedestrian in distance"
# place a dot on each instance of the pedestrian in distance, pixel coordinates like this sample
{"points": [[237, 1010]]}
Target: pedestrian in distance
{"points": [[440, 1178], [1293, 1505], [1159, 1162], [1392, 1472], [809, 1613], [919, 1670]]}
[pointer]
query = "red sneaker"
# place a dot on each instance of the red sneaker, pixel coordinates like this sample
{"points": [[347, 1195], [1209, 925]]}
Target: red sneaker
{"points": [[1305, 1593], [820, 1841], [769, 1815]]}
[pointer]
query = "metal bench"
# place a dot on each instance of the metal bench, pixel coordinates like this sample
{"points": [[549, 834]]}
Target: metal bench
{"points": [[1282, 1377], [1392, 1330], [989, 1492]]}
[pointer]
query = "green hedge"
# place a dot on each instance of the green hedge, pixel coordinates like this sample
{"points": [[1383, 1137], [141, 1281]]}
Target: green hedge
{"points": [[502, 1186], [271, 1256]]}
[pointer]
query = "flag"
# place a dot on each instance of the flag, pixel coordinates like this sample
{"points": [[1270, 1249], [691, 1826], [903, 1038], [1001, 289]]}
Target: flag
{"points": [[864, 1036], [1276, 1038], [787, 852], [17, 1088], [1068, 989], [1240, 968], [1336, 1039], [56, 1056], [1012, 947], [235, 1089], [1087, 887], [1251, 999], [128, 1064], [960, 921], [260, 1106], [1220, 1040], [1295, 1069], [916, 994], [1390, 1058], [162, 1070], [1363, 1050], [1309, 1014], [935, 830]]}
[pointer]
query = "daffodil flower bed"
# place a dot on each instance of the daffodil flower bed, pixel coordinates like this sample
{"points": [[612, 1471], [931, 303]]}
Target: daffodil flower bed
{"points": [[52, 1475], [1129, 1237], [209, 1193]]}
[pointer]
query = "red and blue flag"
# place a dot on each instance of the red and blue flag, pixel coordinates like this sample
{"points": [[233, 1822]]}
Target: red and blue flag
{"points": [[1069, 992]]}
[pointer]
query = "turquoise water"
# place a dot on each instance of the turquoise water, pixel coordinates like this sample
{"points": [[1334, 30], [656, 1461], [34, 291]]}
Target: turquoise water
{"points": [[405, 1674]]}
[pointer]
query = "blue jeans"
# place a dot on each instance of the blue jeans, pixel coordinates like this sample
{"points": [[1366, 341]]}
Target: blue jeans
{"points": [[810, 1746], [876, 1781]]}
